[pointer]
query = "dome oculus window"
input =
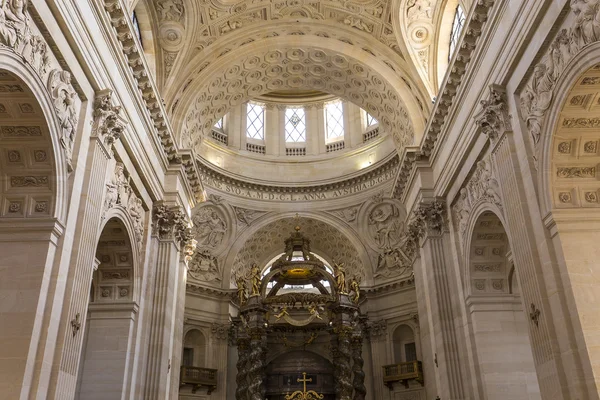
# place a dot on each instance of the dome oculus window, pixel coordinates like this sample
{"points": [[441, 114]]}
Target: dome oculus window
{"points": [[295, 125], [334, 120], [255, 121], [457, 25]]}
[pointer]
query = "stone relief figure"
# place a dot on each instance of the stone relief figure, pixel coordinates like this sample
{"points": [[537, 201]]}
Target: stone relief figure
{"points": [[418, 9], [385, 225], [538, 94], [210, 227], [205, 267], [63, 96], [587, 21], [393, 262], [170, 10], [136, 210], [13, 22], [340, 277]]}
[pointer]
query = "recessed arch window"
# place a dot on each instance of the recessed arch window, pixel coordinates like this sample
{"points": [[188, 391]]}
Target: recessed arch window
{"points": [[457, 25], [295, 125], [136, 26], [219, 124], [255, 121], [334, 120], [368, 119]]}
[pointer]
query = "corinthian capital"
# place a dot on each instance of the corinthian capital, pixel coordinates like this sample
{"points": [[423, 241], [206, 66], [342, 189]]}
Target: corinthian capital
{"points": [[494, 119], [429, 219], [108, 127], [170, 223]]}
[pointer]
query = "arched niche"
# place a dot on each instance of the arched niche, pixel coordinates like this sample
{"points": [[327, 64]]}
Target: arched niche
{"points": [[194, 349], [499, 321], [109, 325], [31, 211], [404, 344]]}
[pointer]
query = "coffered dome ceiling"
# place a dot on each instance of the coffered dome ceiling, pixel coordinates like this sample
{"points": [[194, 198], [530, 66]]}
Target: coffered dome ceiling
{"points": [[215, 54]]}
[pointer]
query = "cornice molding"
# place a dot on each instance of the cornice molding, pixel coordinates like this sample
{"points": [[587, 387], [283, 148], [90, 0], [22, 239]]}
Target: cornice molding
{"points": [[445, 102], [139, 71]]}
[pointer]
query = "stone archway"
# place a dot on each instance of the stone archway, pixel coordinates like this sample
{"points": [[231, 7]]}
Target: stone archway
{"points": [[109, 325], [498, 318], [571, 196], [30, 203]]}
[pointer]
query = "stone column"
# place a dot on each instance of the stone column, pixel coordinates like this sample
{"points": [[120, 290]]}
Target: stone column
{"points": [[558, 374], [312, 129], [435, 285], [169, 230], [107, 129], [378, 338]]}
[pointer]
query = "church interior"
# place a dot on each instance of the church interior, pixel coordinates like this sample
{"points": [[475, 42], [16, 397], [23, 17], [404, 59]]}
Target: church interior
{"points": [[300, 199]]}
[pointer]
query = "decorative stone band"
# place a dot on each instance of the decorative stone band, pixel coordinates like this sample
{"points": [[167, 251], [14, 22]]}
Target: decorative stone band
{"points": [[445, 101], [386, 172]]}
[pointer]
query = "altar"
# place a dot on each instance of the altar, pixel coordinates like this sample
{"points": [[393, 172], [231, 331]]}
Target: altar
{"points": [[300, 331]]}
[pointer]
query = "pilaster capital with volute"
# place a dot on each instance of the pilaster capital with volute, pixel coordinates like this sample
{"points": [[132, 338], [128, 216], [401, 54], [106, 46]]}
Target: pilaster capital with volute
{"points": [[108, 125], [494, 119]]}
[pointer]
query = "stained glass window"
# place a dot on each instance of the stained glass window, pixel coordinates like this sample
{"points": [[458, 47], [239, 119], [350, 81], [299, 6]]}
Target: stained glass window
{"points": [[295, 124], [255, 121], [457, 25], [334, 120]]}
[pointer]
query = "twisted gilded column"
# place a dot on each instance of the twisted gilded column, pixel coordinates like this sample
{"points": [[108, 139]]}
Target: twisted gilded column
{"points": [[257, 360], [342, 361], [358, 375], [241, 392]]}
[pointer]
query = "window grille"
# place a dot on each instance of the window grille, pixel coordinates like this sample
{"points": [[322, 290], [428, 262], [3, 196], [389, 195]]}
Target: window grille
{"points": [[457, 25], [295, 125], [255, 121], [334, 120]]}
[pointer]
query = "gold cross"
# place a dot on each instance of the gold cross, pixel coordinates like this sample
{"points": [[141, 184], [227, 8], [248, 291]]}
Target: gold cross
{"points": [[304, 380]]}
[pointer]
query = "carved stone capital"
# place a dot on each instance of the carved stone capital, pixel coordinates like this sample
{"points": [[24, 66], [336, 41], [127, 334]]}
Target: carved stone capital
{"points": [[494, 118], [108, 127], [170, 223], [429, 219]]}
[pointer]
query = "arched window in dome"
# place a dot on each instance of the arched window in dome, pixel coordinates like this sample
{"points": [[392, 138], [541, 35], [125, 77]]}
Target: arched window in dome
{"points": [[295, 125], [457, 25], [136, 27], [334, 120], [255, 121]]}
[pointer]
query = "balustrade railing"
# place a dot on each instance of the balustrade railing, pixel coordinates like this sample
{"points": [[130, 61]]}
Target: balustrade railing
{"points": [[198, 377], [403, 372]]}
